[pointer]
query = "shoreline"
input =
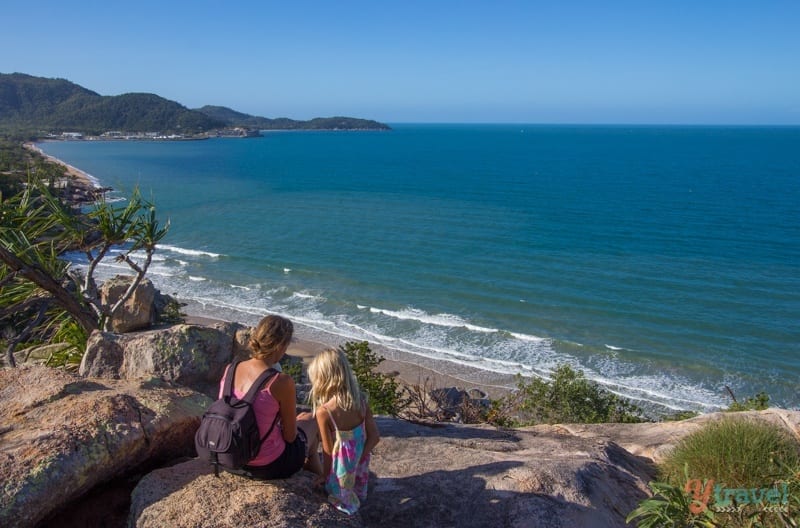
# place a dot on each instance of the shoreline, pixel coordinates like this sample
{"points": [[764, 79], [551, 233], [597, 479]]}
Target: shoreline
{"points": [[410, 368], [82, 178], [407, 368]]}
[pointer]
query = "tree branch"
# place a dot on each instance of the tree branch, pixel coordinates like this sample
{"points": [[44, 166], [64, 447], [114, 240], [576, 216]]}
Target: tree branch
{"points": [[140, 273], [47, 283], [25, 334]]}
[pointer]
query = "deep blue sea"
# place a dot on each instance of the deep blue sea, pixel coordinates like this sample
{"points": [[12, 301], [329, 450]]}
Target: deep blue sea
{"points": [[662, 261]]}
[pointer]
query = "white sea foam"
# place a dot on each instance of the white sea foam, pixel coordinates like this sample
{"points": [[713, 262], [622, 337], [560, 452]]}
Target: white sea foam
{"points": [[302, 295], [197, 279], [192, 252], [517, 353], [244, 308], [141, 254], [381, 338], [610, 347], [448, 320], [287, 270], [531, 338], [163, 271], [505, 353]]}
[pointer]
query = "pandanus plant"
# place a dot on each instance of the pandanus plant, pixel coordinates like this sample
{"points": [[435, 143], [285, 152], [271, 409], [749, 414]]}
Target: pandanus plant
{"points": [[41, 296]]}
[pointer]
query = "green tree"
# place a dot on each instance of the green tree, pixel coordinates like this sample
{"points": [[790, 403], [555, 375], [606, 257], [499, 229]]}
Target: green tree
{"points": [[382, 391], [568, 397], [37, 288]]}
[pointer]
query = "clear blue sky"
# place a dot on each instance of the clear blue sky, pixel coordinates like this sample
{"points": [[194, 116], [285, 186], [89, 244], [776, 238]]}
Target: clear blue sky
{"points": [[556, 61]]}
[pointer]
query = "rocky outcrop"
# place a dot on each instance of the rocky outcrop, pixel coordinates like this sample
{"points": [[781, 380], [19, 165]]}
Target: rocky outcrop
{"points": [[655, 440], [191, 355], [61, 435], [137, 312], [188, 494], [450, 475]]}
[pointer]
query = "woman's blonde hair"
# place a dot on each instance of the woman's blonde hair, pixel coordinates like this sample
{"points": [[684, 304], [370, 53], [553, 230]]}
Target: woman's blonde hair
{"points": [[272, 336], [332, 378]]}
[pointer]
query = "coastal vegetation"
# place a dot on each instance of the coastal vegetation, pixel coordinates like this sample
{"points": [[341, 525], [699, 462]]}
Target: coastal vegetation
{"points": [[384, 393], [733, 472], [738, 452], [17, 163], [568, 397], [42, 299], [36, 106]]}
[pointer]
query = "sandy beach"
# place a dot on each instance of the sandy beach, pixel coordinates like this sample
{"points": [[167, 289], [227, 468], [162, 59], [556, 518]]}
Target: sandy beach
{"points": [[81, 178], [409, 369]]}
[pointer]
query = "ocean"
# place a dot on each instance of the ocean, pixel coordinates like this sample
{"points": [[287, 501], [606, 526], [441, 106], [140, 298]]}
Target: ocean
{"points": [[663, 262]]}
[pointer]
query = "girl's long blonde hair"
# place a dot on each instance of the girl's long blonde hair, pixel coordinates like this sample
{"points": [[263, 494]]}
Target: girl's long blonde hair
{"points": [[332, 378]]}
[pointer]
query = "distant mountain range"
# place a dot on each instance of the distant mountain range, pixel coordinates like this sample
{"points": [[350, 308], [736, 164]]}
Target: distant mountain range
{"points": [[29, 103]]}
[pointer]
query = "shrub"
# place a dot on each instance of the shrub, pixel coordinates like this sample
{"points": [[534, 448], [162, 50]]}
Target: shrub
{"points": [[382, 391], [170, 312], [759, 402], [669, 506], [734, 452], [729, 454], [292, 367], [678, 416], [567, 398]]}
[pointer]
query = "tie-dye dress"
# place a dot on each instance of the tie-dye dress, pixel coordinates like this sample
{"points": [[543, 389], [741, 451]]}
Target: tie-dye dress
{"points": [[347, 483]]}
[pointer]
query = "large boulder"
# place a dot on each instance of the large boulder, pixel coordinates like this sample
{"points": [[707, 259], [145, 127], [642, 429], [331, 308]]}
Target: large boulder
{"points": [[61, 435], [449, 475], [192, 355], [138, 311], [188, 494]]}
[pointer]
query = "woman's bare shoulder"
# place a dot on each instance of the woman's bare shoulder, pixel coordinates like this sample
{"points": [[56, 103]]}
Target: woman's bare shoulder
{"points": [[283, 384]]}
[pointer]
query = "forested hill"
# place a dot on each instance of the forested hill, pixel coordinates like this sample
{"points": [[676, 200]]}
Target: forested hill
{"points": [[234, 118], [40, 104], [37, 104]]}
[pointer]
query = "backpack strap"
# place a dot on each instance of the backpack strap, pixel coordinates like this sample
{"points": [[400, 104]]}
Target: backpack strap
{"points": [[257, 384], [251, 393], [227, 391]]}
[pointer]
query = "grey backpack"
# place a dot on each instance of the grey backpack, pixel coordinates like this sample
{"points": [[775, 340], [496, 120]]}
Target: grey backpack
{"points": [[228, 436]]}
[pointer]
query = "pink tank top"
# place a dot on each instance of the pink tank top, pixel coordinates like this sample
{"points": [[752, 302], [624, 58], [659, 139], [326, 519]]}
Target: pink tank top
{"points": [[266, 408]]}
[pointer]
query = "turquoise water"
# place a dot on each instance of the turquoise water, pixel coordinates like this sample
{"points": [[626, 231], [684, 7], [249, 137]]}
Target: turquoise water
{"points": [[663, 261]]}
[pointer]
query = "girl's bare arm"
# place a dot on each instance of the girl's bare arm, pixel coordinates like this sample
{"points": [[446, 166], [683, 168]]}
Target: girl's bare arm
{"points": [[325, 426], [373, 435]]}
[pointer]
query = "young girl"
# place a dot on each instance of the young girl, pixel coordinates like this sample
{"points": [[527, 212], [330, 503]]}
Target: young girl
{"points": [[346, 427]]}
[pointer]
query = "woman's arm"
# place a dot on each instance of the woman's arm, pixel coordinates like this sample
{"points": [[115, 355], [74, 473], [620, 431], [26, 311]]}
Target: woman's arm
{"points": [[282, 389], [373, 435]]}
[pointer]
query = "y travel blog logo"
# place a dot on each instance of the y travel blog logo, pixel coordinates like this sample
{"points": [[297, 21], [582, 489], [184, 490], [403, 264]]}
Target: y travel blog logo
{"points": [[770, 499]]}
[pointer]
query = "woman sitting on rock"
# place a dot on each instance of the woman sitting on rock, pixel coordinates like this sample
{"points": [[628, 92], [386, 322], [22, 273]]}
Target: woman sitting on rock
{"points": [[285, 451]]}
